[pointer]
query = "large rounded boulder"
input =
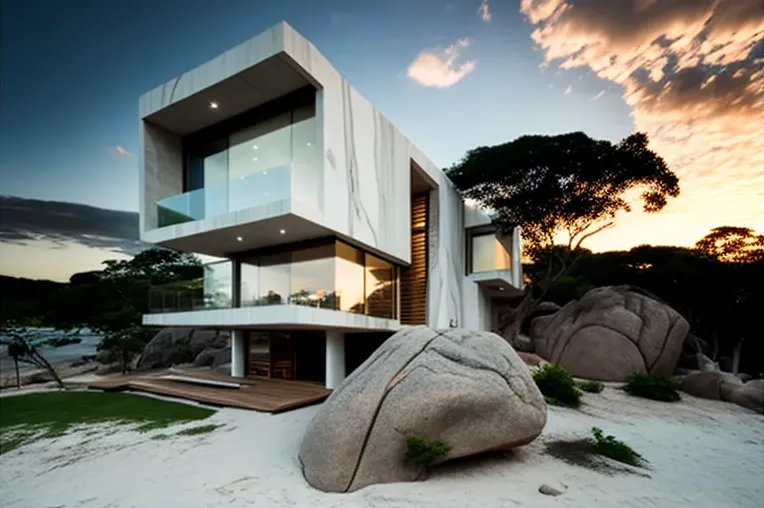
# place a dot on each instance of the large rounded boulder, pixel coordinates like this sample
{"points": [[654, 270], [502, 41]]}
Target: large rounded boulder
{"points": [[611, 333], [172, 346], [469, 389]]}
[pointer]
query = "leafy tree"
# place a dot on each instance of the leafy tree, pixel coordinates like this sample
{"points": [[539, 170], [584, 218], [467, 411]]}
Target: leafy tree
{"points": [[733, 244], [567, 187], [112, 302]]}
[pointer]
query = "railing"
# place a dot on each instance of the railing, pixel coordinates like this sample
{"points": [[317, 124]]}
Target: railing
{"points": [[255, 189]]}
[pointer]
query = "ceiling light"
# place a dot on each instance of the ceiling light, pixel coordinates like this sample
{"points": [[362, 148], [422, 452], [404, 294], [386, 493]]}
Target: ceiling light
{"points": [[238, 238], [501, 288], [254, 147], [254, 158], [309, 143], [265, 172], [283, 231], [213, 105]]}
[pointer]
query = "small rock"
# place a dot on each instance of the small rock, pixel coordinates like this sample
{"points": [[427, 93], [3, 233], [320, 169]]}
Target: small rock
{"points": [[549, 490]]}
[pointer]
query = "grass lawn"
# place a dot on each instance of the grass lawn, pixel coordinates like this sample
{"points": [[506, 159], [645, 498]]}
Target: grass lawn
{"points": [[25, 418]]}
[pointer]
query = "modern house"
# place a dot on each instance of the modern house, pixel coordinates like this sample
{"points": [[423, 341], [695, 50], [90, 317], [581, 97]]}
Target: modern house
{"points": [[330, 230]]}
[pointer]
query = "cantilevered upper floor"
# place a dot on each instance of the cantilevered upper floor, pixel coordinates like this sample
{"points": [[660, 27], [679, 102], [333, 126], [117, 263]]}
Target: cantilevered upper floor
{"points": [[266, 149]]}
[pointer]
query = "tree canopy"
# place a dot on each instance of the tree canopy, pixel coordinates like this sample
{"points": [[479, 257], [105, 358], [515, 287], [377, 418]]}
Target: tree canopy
{"points": [[569, 183], [733, 244]]}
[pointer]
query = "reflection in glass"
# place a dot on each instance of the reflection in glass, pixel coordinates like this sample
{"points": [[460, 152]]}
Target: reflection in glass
{"points": [[380, 288], [350, 278], [274, 279], [249, 290], [488, 254], [218, 285], [313, 278]]}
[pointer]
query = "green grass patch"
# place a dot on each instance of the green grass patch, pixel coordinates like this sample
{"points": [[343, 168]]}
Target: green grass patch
{"points": [[26, 418], [557, 386], [198, 430], [610, 447], [161, 437], [652, 387], [590, 386]]}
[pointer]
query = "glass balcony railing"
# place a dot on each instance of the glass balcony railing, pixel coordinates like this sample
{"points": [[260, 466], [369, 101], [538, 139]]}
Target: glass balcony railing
{"points": [[255, 189], [213, 291]]}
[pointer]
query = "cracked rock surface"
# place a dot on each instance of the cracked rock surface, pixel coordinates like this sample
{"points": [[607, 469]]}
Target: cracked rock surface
{"points": [[611, 333], [467, 388]]}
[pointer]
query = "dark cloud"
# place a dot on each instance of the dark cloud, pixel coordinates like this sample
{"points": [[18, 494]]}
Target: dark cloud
{"points": [[23, 221]]}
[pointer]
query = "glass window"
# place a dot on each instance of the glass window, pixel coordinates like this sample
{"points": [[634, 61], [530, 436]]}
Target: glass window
{"points": [[307, 181], [249, 290], [350, 279], [313, 278], [488, 254], [274, 279], [260, 157], [218, 285], [380, 287]]}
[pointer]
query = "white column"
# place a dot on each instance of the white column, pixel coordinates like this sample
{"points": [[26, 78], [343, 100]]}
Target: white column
{"points": [[238, 353], [335, 359], [515, 259]]}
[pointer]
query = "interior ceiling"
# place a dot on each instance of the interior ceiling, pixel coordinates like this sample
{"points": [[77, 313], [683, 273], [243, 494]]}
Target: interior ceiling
{"points": [[257, 85], [254, 235]]}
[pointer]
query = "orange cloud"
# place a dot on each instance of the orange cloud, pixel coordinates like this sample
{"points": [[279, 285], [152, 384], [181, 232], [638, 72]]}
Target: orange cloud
{"points": [[692, 72], [438, 68]]}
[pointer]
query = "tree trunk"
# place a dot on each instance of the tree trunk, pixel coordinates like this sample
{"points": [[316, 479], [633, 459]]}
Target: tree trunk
{"points": [[18, 379], [736, 357], [511, 330], [41, 361]]}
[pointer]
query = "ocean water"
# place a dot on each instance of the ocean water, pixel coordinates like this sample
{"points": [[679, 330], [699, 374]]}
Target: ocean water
{"points": [[64, 354]]}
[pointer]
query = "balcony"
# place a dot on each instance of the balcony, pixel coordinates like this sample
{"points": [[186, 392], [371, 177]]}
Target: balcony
{"points": [[212, 291], [256, 189]]}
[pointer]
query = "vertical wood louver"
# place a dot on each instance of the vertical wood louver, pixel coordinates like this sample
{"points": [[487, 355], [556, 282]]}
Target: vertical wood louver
{"points": [[414, 277]]}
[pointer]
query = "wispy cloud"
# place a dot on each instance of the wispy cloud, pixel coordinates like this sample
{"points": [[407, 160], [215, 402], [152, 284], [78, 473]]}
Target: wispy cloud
{"points": [[122, 152], [485, 11], [29, 220], [439, 68], [599, 95], [692, 73], [569, 89]]}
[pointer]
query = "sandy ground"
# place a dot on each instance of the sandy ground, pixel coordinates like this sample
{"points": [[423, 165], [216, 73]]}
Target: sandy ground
{"points": [[701, 453]]}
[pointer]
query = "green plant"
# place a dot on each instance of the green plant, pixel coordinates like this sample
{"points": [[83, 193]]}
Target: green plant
{"points": [[557, 386], [652, 387], [201, 429], [590, 386], [421, 453], [610, 447]]}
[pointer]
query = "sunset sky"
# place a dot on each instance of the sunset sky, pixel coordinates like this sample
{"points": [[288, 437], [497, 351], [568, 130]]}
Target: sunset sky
{"points": [[451, 74]]}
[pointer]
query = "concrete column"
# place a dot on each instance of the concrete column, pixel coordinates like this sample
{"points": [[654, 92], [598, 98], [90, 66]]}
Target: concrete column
{"points": [[335, 359], [238, 353], [515, 259]]}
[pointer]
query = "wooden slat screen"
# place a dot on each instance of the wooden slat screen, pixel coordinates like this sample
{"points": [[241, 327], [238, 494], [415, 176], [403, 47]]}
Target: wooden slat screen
{"points": [[414, 277]]}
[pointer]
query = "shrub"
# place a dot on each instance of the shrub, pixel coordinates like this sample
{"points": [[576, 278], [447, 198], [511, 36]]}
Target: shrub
{"points": [[422, 453], [610, 447], [652, 387], [590, 386], [557, 386]]}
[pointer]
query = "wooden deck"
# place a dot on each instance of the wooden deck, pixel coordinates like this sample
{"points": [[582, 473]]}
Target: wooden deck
{"points": [[258, 394]]}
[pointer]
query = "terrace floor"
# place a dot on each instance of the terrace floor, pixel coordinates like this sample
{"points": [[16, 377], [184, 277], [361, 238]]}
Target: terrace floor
{"points": [[255, 393]]}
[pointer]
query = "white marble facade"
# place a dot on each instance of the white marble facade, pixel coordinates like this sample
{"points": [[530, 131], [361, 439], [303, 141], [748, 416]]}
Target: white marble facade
{"points": [[365, 166]]}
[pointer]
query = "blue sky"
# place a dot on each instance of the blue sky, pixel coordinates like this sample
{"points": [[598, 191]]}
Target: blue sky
{"points": [[72, 73]]}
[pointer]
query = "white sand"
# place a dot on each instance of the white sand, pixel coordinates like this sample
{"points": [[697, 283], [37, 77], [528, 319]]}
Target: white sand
{"points": [[701, 453]]}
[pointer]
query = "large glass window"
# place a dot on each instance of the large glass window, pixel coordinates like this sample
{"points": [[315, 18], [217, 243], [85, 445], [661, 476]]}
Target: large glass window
{"points": [[380, 287], [274, 279], [350, 278], [332, 276], [218, 285], [313, 278], [488, 254]]}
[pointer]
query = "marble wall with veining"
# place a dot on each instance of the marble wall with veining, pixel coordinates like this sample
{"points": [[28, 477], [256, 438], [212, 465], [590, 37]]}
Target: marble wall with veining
{"points": [[162, 174]]}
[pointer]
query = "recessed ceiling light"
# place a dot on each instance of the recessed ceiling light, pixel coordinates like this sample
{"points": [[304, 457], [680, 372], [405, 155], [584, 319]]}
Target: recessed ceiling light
{"points": [[501, 288], [283, 231], [213, 105], [265, 172], [254, 147], [238, 238], [254, 158], [309, 143]]}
